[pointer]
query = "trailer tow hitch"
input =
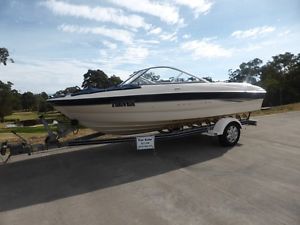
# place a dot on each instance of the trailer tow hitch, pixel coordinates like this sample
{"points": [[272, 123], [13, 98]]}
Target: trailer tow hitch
{"points": [[7, 150]]}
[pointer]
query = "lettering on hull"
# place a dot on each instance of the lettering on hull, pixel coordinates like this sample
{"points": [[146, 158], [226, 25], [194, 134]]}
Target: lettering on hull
{"points": [[129, 103]]}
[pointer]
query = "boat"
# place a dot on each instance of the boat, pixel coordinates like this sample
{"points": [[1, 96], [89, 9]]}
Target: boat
{"points": [[158, 98]]}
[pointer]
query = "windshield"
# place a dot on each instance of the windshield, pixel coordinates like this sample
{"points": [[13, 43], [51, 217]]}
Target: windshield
{"points": [[133, 76], [161, 75]]}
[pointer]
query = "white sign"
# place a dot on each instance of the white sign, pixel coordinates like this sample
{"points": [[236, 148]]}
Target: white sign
{"points": [[146, 142]]}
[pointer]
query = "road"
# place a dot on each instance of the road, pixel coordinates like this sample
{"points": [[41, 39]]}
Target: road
{"points": [[190, 181]]}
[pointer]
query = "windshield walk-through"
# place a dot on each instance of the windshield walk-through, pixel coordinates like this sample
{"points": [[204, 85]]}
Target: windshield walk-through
{"points": [[161, 75]]}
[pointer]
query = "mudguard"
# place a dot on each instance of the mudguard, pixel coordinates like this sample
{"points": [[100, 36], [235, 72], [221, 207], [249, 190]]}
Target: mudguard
{"points": [[219, 127]]}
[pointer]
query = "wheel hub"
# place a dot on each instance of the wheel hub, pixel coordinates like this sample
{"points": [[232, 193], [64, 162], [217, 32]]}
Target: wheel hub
{"points": [[232, 134]]}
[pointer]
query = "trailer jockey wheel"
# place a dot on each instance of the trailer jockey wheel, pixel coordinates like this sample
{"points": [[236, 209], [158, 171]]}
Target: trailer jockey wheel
{"points": [[3, 148], [5, 152], [231, 134], [51, 141]]}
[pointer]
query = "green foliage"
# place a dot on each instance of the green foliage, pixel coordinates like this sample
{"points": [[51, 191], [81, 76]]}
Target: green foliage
{"points": [[44, 95], [280, 77], [114, 80], [16, 100], [95, 79], [12, 100], [4, 56], [6, 97], [208, 79], [248, 72], [21, 116], [98, 79], [68, 90], [28, 101], [41, 103]]}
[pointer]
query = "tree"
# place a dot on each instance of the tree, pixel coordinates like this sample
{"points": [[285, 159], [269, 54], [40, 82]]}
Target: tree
{"points": [[5, 99], [68, 90], [114, 80], [281, 79], [4, 56], [41, 102], [95, 79], [208, 78], [6, 96], [28, 101], [16, 100], [98, 79], [71, 90], [248, 72], [44, 95]]}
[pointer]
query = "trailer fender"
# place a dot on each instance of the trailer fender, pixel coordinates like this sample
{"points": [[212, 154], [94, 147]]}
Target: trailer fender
{"points": [[219, 127]]}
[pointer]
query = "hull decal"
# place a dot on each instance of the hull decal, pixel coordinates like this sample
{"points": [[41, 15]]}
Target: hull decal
{"points": [[124, 101]]}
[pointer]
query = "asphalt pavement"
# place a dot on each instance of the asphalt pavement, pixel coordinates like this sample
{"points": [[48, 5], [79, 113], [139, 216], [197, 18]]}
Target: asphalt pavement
{"points": [[189, 181]]}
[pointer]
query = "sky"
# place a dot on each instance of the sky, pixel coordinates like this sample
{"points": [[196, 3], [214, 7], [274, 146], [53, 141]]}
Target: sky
{"points": [[54, 42]]}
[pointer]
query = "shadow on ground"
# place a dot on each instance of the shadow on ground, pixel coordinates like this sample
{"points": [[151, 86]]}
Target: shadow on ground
{"points": [[39, 180]]}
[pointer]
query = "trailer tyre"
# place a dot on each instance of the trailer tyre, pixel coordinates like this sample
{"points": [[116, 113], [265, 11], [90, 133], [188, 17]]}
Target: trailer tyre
{"points": [[231, 134], [5, 152]]}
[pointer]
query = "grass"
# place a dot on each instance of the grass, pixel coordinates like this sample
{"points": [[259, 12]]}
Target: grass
{"points": [[21, 116], [33, 138], [278, 109], [35, 133], [35, 129]]}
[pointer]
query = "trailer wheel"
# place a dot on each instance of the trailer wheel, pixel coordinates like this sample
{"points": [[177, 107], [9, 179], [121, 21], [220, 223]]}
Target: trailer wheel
{"points": [[231, 134], [5, 152]]}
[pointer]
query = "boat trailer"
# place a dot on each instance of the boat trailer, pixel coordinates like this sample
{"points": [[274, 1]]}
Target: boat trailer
{"points": [[223, 127]]}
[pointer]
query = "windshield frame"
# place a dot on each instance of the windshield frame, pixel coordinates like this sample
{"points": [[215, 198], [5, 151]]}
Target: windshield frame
{"points": [[140, 73]]}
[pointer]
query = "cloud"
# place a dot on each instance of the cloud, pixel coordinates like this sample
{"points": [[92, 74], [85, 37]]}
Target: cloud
{"points": [[101, 14], [166, 12], [43, 75], [199, 6], [165, 36], [253, 32], [143, 41], [109, 44], [131, 55], [136, 54], [186, 36], [284, 33], [116, 34], [168, 36], [205, 49], [155, 31]]}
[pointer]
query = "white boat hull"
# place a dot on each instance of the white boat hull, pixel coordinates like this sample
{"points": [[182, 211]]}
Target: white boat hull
{"points": [[150, 116], [156, 107]]}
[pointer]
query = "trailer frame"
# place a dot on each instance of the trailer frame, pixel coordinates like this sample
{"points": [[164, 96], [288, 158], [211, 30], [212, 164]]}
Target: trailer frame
{"points": [[211, 128]]}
